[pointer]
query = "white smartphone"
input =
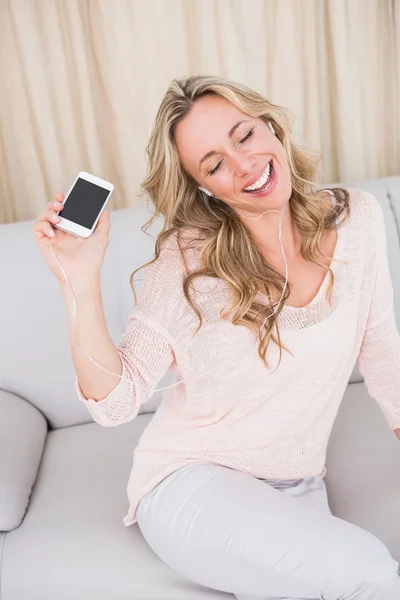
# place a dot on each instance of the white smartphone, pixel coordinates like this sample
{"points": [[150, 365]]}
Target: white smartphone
{"points": [[83, 204]]}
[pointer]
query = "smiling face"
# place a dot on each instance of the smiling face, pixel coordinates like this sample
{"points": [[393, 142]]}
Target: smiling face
{"points": [[229, 153]]}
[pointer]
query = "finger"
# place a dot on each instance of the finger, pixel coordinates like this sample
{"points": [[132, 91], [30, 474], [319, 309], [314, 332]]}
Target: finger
{"points": [[52, 216], [49, 217], [43, 229], [55, 205]]}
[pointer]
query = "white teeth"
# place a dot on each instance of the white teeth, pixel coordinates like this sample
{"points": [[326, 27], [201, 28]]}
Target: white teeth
{"points": [[260, 182]]}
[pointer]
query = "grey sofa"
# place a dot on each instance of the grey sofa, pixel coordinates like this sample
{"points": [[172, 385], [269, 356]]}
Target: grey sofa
{"points": [[63, 478]]}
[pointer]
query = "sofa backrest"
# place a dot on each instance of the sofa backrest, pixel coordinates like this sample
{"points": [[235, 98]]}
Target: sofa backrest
{"points": [[35, 358]]}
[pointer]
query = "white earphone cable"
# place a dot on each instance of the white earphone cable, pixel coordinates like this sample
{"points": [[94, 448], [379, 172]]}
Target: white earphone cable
{"points": [[181, 380]]}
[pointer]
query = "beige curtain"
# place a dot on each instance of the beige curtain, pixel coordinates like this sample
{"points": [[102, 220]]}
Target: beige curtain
{"points": [[81, 81]]}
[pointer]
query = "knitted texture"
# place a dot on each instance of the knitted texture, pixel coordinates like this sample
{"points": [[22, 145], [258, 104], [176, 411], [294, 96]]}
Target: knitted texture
{"points": [[231, 409]]}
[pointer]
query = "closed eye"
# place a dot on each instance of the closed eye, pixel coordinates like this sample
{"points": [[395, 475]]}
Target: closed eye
{"points": [[217, 168], [246, 137]]}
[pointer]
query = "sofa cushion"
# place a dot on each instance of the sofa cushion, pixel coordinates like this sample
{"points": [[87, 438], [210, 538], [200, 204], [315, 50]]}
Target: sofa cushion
{"points": [[73, 543], [2, 543], [363, 463], [392, 186], [23, 431]]}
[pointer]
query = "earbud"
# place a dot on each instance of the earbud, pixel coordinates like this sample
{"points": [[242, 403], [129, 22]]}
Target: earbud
{"points": [[271, 127], [205, 191]]}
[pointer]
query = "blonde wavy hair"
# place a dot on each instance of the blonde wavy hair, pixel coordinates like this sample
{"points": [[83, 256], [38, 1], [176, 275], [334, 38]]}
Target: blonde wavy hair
{"points": [[228, 250]]}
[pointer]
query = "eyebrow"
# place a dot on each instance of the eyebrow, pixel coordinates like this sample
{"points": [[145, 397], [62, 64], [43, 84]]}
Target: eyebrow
{"points": [[230, 134]]}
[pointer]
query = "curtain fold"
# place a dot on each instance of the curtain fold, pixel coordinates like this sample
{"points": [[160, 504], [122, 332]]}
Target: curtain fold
{"points": [[81, 81]]}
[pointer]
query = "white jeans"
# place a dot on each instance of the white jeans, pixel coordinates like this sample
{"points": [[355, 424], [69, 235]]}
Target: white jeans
{"points": [[263, 540]]}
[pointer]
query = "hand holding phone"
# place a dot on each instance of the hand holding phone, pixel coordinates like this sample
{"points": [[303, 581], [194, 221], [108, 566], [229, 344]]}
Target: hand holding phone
{"points": [[81, 229]]}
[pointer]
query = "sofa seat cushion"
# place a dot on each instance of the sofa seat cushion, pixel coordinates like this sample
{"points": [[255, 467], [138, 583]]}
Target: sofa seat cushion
{"points": [[363, 462], [23, 431], [72, 542]]}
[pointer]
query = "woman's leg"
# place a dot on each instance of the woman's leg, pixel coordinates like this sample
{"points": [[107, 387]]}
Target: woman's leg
{"points": [[232, 532]]}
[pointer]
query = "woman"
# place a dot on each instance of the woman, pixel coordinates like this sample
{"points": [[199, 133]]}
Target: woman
{"points": [[263, 293]]}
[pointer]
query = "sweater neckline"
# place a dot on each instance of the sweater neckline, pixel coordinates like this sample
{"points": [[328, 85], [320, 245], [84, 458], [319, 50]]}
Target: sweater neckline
{"points": [[320, 296]]}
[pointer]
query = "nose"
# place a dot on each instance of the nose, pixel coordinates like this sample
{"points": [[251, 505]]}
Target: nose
{"points": [[243, 165]]}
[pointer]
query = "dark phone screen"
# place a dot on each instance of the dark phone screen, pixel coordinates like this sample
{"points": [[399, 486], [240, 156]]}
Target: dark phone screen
{"points": [[84, 203]]}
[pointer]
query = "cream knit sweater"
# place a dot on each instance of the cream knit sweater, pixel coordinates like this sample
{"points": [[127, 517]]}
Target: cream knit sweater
{"points": [[231, 409]]}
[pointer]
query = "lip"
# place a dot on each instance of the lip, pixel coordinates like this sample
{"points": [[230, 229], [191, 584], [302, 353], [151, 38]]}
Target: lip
{"points": [[257, 177], [271, 186]]}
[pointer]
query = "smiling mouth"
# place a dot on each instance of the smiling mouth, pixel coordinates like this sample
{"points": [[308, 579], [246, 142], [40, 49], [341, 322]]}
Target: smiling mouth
{"points": [[263, 182]]}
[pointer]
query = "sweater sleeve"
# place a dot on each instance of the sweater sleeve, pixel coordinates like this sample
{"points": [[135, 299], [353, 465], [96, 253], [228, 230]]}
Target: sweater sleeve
{"points": [[146, 354], [379, 356], [147, 347]]}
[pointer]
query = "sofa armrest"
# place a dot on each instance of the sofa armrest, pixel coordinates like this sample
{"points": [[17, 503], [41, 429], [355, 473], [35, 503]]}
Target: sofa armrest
{"points": [[23, 431]]}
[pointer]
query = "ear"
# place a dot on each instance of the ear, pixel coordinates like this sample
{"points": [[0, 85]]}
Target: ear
{"points": [[205, 191]]}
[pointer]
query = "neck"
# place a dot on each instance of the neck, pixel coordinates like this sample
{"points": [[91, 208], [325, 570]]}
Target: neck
{"points": [[265, 233]]}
